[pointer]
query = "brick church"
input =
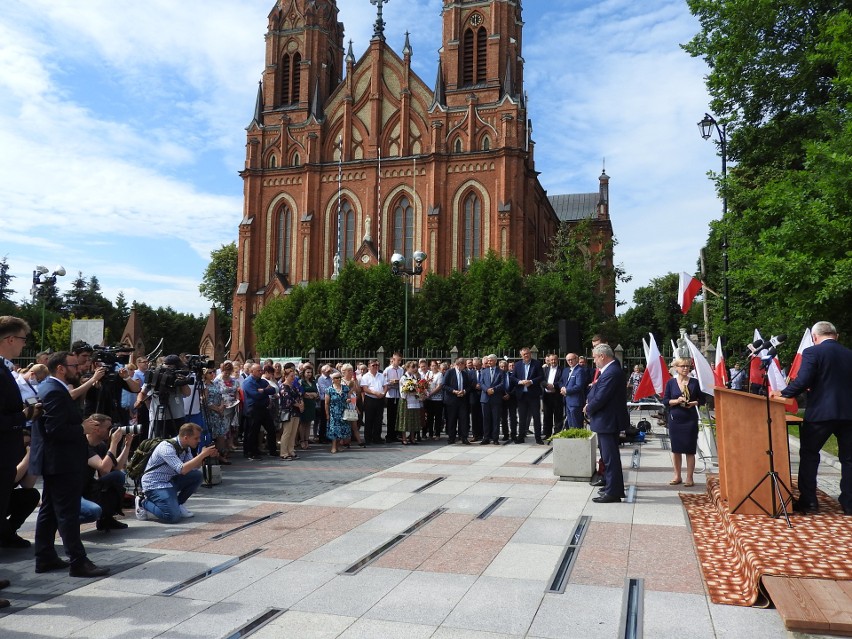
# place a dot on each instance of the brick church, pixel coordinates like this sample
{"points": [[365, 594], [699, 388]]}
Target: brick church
{"points": [[359, 158]]}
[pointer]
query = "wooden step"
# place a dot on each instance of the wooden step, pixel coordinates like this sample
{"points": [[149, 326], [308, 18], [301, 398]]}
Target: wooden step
{"points": [[812, 605]]}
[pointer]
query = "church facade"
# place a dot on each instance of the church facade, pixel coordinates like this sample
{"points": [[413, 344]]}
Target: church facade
{"points": [[360, 159]]}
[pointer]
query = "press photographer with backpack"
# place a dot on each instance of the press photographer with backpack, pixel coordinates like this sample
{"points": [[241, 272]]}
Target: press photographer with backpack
{"points": [[172, 474]]}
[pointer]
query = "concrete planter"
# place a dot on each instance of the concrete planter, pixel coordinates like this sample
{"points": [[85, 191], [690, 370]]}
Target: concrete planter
{"points": [[575, 459]]}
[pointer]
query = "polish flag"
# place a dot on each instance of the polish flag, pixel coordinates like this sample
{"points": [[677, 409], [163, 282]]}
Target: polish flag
{"points": [[687, 289], [720, 370], [807, 342], [656, 373], [706, 379], [778, 383], [755, 375]]}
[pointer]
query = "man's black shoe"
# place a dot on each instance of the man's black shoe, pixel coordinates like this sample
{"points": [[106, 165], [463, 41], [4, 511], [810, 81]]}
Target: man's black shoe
{"points": [[539, 441], [15, 541], [5, 583], [485, 442], [4, 603], [110, 523], [465, 442], [805, 507], [86, 568], [520, 440], [606, 499], [599, 483], [451, 441], [505, 438], [53, 564]]}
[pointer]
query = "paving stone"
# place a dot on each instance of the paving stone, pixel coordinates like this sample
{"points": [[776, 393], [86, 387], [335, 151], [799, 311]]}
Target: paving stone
{"points": [[304, 625], [288, 585], [422, 598], [497, 605], [525, 561], [379, 629], [590, 612], [352, 596]]}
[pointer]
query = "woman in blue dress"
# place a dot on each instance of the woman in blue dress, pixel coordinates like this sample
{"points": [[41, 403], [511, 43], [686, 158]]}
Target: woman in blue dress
{"points": [[682, 397], [336, 399]]}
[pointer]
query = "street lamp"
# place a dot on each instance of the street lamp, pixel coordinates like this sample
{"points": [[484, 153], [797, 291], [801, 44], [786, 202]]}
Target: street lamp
{"points": [[707, 125], [40, 278], [398, 266]]}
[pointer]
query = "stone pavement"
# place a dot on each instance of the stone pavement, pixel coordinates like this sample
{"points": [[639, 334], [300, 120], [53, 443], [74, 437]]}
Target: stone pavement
{"points": [[452, 574]]}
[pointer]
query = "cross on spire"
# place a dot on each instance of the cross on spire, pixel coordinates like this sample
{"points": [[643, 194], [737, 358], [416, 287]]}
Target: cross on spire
{"points": [[379, 27]]}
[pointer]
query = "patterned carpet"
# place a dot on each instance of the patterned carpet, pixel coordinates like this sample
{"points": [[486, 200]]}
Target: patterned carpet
{"points": [[735, 551]]}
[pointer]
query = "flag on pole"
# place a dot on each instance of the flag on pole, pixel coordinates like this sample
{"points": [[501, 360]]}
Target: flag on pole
{"points": [[807, 341], [688, 288], [706, 380], [754, 374], [720, 369], [645, 348], [656, 373]]}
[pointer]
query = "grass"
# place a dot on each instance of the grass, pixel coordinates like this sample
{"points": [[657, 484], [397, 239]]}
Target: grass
{"points": [[830, 445]]}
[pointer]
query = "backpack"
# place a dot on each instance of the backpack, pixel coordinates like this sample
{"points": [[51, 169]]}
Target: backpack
{"points": [[138, 463]]}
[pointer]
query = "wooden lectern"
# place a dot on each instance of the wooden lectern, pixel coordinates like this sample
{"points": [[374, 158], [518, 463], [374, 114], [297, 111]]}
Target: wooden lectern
{"points": [[742, 438]]}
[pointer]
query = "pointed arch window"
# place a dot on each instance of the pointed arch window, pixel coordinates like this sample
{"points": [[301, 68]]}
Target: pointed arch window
{"points": [[297, 160], [474, 56], [457, 147], [273, 161], [284, 236], [403, 228], [347, 232], [290, 78], [472, 232], [486, 143]]}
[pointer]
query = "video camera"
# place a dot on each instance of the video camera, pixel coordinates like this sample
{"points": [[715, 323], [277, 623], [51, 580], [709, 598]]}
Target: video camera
{"points": [[107, 356], [196, 363], [166, 379]]}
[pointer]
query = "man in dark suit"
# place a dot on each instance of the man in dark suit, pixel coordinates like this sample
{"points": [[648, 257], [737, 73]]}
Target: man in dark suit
{"points": [[59, 454], [491, 398], [573, 388], [528, 374], [826, 373], [607, 410], [13, 415], [474, 370], [552, 401], [457, 386], [509, 412]]}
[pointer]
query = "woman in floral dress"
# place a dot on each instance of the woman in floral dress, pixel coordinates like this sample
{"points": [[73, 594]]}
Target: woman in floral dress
{"points": [[336, 400], [215, 401]]}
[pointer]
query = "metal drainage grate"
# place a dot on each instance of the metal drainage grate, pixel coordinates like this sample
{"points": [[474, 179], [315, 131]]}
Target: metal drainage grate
{"points": [[369, 558], [437, 480], [632, 609], [254, 522], [637, 457], [560, 576], [215, 570], [631, 494], [542, 457], [494, 505], [256, 623]]}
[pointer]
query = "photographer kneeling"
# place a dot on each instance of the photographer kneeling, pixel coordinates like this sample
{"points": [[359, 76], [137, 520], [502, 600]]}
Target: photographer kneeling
{"points": [[103, 490], [172, 475]]}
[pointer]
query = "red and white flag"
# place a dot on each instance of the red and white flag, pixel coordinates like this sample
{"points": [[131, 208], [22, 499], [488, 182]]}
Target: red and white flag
{"points": [[775, 379], [807, 342], [755, 376], [656, 373], [720, 368], [703, 372], [687, 289]]}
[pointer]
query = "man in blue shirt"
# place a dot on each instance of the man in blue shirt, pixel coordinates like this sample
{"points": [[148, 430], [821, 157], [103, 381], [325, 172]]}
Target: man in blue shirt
{"points": [[257, 392], [172, 475]]}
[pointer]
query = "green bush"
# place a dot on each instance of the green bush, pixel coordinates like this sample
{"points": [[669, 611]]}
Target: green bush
{"points": [[571, 433]]}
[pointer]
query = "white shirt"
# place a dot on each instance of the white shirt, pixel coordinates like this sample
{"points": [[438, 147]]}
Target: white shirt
{"points": [[375, 383], [393, 374]]}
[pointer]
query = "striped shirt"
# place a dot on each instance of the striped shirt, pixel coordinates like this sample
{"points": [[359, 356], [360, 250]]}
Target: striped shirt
{"points": [[165, 464]]}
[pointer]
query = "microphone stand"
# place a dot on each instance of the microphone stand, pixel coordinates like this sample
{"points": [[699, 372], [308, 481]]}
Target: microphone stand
{"points": [[779, 501]]}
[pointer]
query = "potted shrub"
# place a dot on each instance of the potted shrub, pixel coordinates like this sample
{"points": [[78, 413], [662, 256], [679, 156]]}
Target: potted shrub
{"points": [[575, 452]]}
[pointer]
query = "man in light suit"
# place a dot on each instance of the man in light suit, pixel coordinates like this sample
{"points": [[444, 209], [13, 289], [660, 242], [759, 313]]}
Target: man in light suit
{"points": [[59, 454], [607, 412], [528, 373], [573, 388], [826, 373], [491, 398], [552, 400], [457, 387]]}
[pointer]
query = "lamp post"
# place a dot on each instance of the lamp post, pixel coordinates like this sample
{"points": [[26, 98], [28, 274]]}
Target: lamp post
{"points": [[707, 125], [398, 266], [40, 278]]}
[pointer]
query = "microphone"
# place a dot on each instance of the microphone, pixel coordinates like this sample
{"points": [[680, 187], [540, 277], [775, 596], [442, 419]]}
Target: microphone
{"points": [[756, 346], [777, 340], [772, 347]]}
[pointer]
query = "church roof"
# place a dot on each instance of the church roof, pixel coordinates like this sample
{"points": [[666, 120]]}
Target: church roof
{"points": [[575, 206]]}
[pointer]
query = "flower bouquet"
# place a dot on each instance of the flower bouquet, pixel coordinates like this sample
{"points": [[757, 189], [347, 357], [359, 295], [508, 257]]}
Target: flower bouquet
{"points": [[422, 388], [408, 385]]}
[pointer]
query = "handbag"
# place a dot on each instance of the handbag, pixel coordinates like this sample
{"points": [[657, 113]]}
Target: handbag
{"points": [[284, 415], [350, 415]]}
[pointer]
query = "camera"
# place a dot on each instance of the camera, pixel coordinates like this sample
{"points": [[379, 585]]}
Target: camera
{"points": [[198, 362], [131, 429], [31, 401], [165, 379]]}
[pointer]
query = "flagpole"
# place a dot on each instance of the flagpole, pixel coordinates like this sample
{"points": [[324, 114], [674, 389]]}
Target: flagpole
{"points": [[706, 310]]}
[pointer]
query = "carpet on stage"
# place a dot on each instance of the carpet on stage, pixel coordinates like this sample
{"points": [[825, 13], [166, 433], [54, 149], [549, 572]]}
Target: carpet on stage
{"points": [[736, 551]]}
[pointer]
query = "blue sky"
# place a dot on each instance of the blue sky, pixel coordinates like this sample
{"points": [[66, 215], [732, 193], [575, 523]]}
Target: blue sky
{"points": [[122, 129]]}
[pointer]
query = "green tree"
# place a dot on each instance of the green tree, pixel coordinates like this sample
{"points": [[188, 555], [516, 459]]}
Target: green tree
{"points": [[656, 310], [5, 279], [181, 332], [220, 277], [780, 77]]}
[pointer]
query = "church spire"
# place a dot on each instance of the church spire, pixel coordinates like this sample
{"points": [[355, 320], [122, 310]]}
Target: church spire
{"points": [[509, 78], [258, 106], [406, 49], [440, 89], [350, 55]]}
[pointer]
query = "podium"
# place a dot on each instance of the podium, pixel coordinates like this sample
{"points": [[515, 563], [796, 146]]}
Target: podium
{"points": [[743, 439]]}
